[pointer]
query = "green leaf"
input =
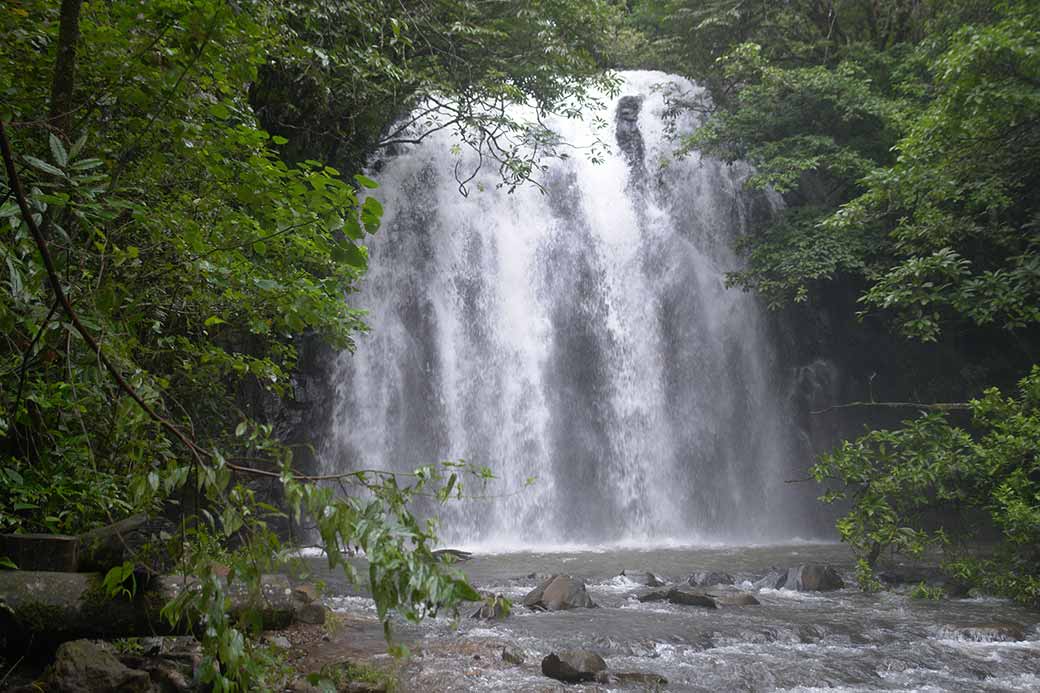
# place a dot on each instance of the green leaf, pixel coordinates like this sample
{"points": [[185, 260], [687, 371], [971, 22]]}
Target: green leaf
{"points": [[219, 110], [214, 320], [44, 166], [61, 157], [366, 182], [279, 140], [350, 254]]}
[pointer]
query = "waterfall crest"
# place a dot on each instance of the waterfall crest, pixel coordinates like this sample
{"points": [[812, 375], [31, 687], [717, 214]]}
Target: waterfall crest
{"points": [[584, 337]]}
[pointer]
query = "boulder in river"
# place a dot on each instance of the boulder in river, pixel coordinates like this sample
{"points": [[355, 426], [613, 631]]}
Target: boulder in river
{"points": [[573, 666], [775, 579], [557, 593], [653, 596], [691, 597], [642, 577], [707, 578], [733, 598], [813, 578]]}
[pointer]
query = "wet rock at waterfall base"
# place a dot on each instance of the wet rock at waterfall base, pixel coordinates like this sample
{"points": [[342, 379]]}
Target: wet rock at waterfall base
{"points": [[558, 593], [642, 577], [1001, 631], [733, 598], [653, 596], [573, 666], [636, 678], [706, 578], [813, 578], [691, 597], [775, 579], [803, 578]]}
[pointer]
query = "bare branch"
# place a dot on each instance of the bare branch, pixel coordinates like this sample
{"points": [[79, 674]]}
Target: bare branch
{"points": [[939, 406]]}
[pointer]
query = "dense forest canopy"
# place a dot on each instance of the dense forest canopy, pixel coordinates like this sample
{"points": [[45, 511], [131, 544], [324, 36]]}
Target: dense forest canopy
{"points": [[179, 210]]}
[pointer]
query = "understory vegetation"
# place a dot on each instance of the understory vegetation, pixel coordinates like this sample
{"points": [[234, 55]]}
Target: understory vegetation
{"points": [[178, 212]]}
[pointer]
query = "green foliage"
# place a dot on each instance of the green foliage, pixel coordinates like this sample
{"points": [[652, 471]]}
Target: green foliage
{"points": [[905, 139], [445, 64], [931, 593], [897, 481], [120, 581], [902, 133], [337, 677], [198, 225]]}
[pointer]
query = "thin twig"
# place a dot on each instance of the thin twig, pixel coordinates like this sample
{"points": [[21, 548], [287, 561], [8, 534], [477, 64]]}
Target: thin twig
{"points": [[938, 406]]}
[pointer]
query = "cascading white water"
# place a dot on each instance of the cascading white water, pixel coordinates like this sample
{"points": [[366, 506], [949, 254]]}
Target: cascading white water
{"points": [[583, 337]]}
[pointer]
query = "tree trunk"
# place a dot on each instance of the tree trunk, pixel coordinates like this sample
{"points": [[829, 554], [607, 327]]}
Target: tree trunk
{"points": [[65, 67]]}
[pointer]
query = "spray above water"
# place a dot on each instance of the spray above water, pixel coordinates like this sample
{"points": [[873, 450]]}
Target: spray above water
{"points": [[582, 335]]}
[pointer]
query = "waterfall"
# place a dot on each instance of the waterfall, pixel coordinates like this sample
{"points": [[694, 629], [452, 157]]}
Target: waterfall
{"points": [[582, 335]]}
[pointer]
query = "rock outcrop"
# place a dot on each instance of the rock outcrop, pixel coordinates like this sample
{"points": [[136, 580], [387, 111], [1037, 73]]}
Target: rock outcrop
{"points": [[557, 593], [573, 666]]}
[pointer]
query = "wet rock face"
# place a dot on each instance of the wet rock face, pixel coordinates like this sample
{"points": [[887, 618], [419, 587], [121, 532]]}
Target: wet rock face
{"points": [[627, 133], [705, 578], [558, 593], [642, 577], [691, 597], [803, 578], [573, 666], [733, 598], [813, 578]]}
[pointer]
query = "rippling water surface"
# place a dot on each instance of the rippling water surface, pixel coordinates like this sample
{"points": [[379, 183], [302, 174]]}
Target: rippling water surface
{"points": [[793, 641]]}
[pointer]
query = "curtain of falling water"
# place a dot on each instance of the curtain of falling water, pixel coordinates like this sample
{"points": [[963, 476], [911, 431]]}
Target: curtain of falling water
{"points": [[583, 337]]}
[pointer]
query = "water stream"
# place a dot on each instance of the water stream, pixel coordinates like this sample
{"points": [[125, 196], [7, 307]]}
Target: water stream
{"points": [[793, 641]]}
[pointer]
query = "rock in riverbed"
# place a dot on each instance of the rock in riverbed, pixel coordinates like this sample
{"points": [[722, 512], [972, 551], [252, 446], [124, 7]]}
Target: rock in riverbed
{"points": [[660, 595], [638, 678], [557, 593], [705, 578], [733, 598], [803, 578], [573, 666], [642, 577], [684, 595], [691, 597], [813, 578]]}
